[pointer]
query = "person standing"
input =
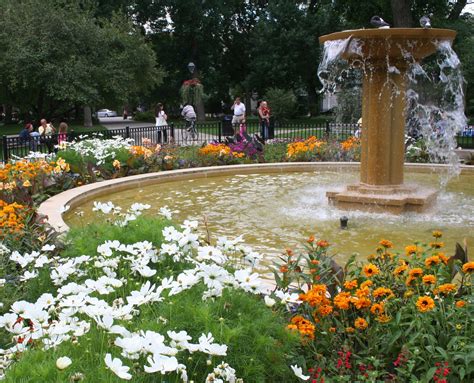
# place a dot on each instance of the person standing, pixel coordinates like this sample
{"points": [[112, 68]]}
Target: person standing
{"points": [[239, 112], [161, 122], [264, 117], [62, 136]]}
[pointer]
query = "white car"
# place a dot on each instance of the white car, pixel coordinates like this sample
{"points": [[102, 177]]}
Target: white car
{"points": [[101, 113]]}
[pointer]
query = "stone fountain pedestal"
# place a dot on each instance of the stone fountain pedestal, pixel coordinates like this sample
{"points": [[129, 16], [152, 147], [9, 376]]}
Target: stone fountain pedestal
{"points": [[384, 56]]}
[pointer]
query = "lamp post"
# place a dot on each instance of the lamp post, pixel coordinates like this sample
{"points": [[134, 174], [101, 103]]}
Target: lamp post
{"points": [[199, 105], [191, 67]]}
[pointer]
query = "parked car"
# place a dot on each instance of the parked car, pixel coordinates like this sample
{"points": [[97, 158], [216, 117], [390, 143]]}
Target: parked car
{"points": [[106, 113]]}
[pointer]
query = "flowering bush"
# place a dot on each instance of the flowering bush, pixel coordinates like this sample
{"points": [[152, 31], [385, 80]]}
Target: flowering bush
{"points": [[314, 149], [397, 318]]}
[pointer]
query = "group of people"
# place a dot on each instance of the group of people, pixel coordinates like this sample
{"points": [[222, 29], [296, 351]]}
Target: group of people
{"points": [[45, 134]]}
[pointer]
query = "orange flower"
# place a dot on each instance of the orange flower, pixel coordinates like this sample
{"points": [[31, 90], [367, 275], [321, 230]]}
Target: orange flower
{"points": [[322, 243], [377, 309], [425, 304], [381, 291], [289, 252], [437, 245], [325, 310], [416, 272], [315, 296], [460, 304], [443, 258], [304, 326], [349, 285], [383, 318], [410, 250], [363, 292], [350, 329], [360, 303], [341, 301], [468, 267], [332, 329], [314, 262], [284, 268], [360, 323], [365, 284], [386, 243], [429, 279], [437, 234], [311, 239], [434, 260], [370, 270], [447, 288], [400, 269]]}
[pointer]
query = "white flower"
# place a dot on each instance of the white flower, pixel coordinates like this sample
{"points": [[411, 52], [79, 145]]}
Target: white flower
{"points": [[64, 209], [269, 301], [161, 363], [299, 372], [63, 362], [166, 212], [48, 248], [117, 367]]}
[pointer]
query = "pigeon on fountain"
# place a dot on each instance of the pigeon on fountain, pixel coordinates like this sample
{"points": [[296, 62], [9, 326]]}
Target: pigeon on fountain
{"points": [[425, 22], [378, 22]]}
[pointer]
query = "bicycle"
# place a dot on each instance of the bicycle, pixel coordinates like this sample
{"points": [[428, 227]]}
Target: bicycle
{"points": [[190, 132]]}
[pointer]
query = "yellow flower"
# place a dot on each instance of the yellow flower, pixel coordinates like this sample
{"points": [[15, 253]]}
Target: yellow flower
{"points": [[468, 267], [408, 294], [429, 279], [116, 164], [437, 234], [425, 304], [370, 270], [386, 243], [27, 184], [360, 323], [436, 245]]}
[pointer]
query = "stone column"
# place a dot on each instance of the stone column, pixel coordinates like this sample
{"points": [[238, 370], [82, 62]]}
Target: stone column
{"points": [[383, 125]]}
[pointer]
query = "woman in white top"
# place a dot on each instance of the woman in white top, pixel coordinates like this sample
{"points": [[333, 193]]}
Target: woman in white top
{"points": [[160, 115]]}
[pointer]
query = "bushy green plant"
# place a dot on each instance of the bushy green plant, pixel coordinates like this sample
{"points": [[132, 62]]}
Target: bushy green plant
{"points": [[148, 116], [281, 102]]}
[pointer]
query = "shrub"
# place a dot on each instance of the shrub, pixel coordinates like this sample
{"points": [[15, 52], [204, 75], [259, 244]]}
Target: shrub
{"points": [[281, 102]]}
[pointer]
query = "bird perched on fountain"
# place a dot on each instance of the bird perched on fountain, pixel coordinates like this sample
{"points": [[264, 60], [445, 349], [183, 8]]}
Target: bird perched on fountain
{"points": [[425, 21], [378, 22]]}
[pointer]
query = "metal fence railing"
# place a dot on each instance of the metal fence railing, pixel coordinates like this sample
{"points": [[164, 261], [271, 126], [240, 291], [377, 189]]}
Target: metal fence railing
{"points": [[180, 134]]}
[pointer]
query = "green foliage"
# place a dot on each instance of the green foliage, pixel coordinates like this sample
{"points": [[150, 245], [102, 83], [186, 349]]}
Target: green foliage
{"points": [[148, 116], [66, 57], [281, 102], [192, 94]]}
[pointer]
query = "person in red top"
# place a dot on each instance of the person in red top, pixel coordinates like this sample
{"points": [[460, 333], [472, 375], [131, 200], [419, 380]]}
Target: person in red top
{"points": [[264, 117]]}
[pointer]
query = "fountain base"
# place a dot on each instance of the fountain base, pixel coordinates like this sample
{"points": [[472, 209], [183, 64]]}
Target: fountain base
{"points": [[394, 199]]}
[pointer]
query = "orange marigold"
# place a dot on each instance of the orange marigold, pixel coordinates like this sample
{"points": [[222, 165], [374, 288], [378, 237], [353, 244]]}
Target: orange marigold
{"points": [[325, 310], [468, 267], [434, 260], [322, 243], [437, 245], [460, 304], [360, 323], [429, 279], [400, 269], [447, 288], [443, 258], [365, 284], [386, 243], [383, 318], [437, 234], [341, 301], [377, 309], [410, 250], [349, 285], [425, 304], [315, 296], [311, 239], [370, 270], [360, 303], [382, 291], [416, 272]]}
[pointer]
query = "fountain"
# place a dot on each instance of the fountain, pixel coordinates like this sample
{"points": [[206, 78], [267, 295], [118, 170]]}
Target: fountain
{"points": [[384, 55]]}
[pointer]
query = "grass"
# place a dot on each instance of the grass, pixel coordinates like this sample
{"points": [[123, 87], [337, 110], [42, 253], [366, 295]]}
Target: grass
{"points": [[259, 346]]}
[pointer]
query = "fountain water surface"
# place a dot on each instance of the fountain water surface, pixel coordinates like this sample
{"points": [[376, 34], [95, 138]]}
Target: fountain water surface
{"points": [[390, 63]]}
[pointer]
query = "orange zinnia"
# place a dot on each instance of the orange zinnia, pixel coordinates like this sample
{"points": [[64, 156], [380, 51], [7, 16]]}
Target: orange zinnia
{"points": [[349, 285], [425, 304], [416, 272], [447, 288], [434, 260], [386, 243], [377, 309], [410, 250]]}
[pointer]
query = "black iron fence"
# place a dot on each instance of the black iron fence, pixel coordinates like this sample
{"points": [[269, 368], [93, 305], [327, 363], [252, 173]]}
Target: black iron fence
{"points": [[181, 134]]}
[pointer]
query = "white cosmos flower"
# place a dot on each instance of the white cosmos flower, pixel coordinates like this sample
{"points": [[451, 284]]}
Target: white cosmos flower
{"points": [[63, 362], [269, 301], [298, 371], [28, 275], [117, 367], [161, 363], [48, 247], [166, 212]]}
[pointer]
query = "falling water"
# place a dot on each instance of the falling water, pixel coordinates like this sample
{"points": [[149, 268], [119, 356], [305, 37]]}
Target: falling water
{"points": [[435, 98]]}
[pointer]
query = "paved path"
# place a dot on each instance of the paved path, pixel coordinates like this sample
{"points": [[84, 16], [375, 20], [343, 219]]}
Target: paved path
{"points": [[119, 122]]}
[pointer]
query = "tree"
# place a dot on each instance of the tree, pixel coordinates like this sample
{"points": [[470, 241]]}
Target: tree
{"points": [[69, 61]]}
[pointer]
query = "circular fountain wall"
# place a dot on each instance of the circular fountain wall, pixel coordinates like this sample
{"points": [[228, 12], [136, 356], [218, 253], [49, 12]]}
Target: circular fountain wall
{"points": [[278, 210]]}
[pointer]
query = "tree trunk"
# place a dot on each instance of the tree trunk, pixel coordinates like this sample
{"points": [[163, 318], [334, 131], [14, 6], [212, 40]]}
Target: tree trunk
{"points": [[8, 114], [457, 9], [402, 15], [87, 117]]}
